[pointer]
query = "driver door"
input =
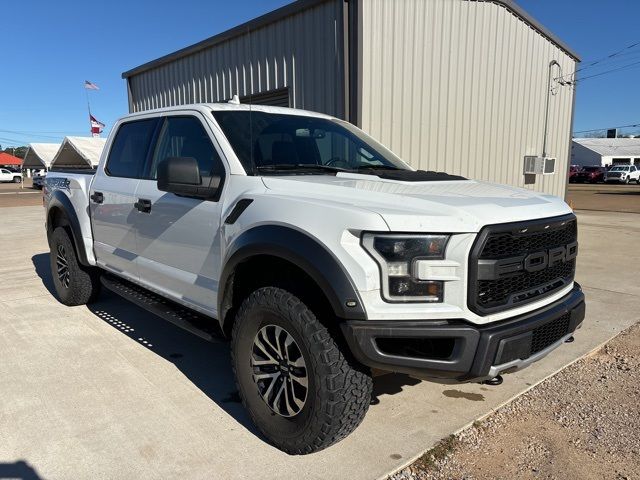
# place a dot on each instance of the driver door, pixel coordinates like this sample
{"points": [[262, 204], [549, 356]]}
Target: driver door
{"points": [[178, 238]]}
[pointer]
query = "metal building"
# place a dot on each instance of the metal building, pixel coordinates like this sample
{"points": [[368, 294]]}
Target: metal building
{"points": [[464, 86], [605, 151]]}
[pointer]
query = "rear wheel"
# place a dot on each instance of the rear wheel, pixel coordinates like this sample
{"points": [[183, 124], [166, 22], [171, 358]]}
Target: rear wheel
{"points": [[74, 284], [300, 389]]}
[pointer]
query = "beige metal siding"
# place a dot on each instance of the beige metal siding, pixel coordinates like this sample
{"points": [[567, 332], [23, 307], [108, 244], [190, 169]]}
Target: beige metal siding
{"points": [[460, 86], [302, 52]]}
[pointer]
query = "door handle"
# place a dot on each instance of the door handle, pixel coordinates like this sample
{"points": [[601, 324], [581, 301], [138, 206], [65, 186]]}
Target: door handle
{"points": [[97, 197], [143, 205]]}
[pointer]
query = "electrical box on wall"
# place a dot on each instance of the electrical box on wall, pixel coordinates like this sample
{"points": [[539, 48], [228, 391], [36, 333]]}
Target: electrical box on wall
{"points": [[535, 165]]}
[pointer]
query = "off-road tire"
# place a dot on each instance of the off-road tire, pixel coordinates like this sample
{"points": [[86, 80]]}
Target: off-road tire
{"points": [[84, 283], [339, 391]]}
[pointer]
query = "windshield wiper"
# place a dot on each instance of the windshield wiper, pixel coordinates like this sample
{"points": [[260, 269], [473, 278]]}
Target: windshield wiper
{"points": [[300, 167], [377, 167]]}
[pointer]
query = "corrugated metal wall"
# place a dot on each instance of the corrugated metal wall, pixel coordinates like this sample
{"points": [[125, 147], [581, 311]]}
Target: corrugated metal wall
{"points": [[302, 52], [460, 86]]}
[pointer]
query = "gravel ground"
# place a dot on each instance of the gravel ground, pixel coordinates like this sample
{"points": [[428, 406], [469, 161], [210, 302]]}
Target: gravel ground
{"points": [[582, 423]]}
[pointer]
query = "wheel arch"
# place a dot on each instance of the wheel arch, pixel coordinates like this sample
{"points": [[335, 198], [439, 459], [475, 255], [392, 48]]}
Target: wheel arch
{"points": [[60, 213], [276, 252]]}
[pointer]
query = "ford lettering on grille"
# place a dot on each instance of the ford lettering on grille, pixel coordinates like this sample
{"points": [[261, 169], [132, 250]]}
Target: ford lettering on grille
{"points": [[533, 262], [511, 265]]}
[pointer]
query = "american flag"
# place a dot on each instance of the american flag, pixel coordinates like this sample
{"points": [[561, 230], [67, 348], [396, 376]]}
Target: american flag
{"points": [[90, 86]]}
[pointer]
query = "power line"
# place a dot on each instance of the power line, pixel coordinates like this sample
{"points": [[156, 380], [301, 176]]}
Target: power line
{"points": [[606, 72], [31, 134], [608, 128], [603, 59]]}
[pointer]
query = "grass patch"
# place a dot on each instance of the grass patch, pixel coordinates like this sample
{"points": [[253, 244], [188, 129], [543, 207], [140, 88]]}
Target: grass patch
{"points": [[440, 451]]}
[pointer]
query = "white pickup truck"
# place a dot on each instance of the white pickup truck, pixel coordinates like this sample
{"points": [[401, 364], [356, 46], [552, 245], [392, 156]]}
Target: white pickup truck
{"points": [[319, 253], [7, 175]]}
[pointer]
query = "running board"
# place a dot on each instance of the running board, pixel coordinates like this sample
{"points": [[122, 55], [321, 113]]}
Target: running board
{"points": [[183, 317]]}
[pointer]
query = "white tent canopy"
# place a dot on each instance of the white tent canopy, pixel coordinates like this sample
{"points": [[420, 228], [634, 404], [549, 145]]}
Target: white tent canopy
{"points": [[40, 155], [79, 152]]}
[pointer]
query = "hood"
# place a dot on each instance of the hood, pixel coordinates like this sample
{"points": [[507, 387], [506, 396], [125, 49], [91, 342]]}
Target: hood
{"points": [[438, 206]]}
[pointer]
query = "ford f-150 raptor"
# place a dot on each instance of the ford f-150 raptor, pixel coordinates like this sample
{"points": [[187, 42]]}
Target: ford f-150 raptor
{"points": [[320, 255]]}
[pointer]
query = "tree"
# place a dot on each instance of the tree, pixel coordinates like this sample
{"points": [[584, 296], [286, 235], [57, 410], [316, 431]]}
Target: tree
{"points": [[19, 152]]}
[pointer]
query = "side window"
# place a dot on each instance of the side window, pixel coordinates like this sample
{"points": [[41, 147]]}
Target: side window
{"points": [[129, 150], [186, 137]]}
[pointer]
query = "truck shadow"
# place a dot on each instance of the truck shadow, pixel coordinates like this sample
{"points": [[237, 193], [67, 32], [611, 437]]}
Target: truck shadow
{"points": [[206, 364], [19, 470]]}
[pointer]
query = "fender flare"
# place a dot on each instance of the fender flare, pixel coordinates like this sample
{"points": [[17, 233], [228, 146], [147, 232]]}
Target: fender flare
{"points": [[60, 201], [301, 250]]}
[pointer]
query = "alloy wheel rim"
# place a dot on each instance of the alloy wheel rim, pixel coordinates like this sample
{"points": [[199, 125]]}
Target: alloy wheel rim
{"points": [[62, 266], [279, 370]]}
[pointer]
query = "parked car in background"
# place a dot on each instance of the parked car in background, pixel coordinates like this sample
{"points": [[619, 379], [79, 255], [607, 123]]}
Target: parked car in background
{"points": [[38, 179], [573, 170], [7, 175], [622, 174], [591, 174]]}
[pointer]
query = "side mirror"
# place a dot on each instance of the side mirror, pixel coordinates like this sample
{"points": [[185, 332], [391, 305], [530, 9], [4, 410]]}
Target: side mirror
{"points": [[181, 175]]}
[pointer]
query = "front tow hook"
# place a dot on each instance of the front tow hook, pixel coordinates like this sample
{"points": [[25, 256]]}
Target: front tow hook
{"points": [[495, 381]]}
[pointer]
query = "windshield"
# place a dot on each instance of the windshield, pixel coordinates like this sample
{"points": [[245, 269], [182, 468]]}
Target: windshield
{"points": [[591, 169], [620, 169], [278, 142]]}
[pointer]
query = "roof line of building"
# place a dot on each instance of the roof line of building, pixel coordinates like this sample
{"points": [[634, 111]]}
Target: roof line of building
{"points": [[253, 24], [524, 15], [301, 5]]}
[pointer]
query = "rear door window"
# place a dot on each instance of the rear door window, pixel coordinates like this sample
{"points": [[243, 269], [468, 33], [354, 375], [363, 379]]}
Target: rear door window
{"points": [[130, 148]]}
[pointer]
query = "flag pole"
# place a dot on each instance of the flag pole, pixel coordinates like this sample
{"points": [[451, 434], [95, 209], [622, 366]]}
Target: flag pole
{"points": [[86, 91]]}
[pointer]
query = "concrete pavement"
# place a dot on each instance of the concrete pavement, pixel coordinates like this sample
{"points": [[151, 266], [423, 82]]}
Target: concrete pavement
{"points": [[111, 391]]}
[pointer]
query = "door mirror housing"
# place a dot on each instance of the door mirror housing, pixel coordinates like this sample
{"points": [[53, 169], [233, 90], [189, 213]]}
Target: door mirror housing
{"points": [[181, 176]]}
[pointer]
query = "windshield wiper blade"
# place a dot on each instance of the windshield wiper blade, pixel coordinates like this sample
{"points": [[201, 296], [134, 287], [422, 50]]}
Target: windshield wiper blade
{"points": [[300, 166], [377, 167]]}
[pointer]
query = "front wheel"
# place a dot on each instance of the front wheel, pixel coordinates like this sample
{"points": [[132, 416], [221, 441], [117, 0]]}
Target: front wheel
{"points": [[300, 389], [74, 284], [17, 179]]}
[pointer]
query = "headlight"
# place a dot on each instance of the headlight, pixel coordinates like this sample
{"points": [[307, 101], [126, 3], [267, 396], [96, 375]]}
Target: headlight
{"points": [[396, 255]]}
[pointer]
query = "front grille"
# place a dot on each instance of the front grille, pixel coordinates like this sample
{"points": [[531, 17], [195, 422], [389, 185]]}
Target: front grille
{"points": [[501, 245], [550, 333], [497, 292], [516, 241]]}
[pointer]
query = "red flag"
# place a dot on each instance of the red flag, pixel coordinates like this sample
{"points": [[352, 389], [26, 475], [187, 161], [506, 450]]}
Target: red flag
{"points": [[96, 126]]}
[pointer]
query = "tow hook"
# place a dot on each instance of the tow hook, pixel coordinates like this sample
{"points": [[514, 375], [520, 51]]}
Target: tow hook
{"points": [[494, 382], [569, 340]]}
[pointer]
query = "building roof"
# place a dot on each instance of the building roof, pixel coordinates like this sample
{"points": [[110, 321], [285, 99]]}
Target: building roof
{"points": [[79, 152], [40, 154], [301, 5], [612, 147], [6, 159]]}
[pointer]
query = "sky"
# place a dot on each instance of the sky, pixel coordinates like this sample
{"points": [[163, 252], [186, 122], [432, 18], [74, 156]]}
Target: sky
{"points": [[48, 49]]}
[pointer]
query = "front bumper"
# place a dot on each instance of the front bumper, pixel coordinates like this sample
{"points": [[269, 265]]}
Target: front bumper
{"points": [[457, 351], [616, 180]]}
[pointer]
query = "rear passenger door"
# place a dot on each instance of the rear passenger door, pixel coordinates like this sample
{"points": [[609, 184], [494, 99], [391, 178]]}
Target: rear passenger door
{"points": [[178, 238], [113, 195]]}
